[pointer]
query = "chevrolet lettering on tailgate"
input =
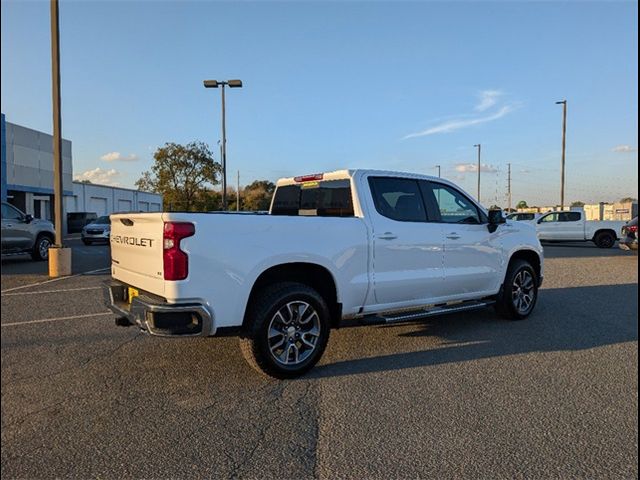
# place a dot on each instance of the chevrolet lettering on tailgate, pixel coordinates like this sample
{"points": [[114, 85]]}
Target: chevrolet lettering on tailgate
{"points": [[135, 241]]}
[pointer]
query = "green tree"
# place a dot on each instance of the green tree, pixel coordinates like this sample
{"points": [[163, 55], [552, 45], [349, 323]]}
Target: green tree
{"points": [[257, 195], [577, 203], [522, 204], [183, 174]]}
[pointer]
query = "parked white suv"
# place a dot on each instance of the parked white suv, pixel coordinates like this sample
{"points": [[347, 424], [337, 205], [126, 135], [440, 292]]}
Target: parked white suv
{"points": [[349, 246]]}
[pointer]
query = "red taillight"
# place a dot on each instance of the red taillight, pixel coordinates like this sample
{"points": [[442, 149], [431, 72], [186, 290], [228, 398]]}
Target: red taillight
{"points": [[176, 262], [632, 228], [308, 178]]}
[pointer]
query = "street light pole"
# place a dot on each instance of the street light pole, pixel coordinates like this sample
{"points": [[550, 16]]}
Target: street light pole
{"points": [[509, 186], [224, 153], [223, 147], [564, 138], [479, 149]]}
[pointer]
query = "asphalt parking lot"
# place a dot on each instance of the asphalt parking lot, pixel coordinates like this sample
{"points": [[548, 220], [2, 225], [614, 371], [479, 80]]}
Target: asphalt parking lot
{"points": [[554, 396]]}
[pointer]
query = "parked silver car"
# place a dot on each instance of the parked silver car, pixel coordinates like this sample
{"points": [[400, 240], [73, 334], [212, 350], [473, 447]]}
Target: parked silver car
{"points": [[21, 233], [97, 231]]}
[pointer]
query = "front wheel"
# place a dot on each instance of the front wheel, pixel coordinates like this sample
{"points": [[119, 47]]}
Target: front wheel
{"points": [[287, 331], [519, 292], [40, 249]]}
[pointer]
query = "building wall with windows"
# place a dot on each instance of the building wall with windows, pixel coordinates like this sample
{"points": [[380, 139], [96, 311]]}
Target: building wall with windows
{"points": [[27, 169], [27, 179]]}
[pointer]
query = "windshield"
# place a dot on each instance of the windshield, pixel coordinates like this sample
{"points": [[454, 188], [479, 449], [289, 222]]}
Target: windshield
{"points": [[102, 221]]}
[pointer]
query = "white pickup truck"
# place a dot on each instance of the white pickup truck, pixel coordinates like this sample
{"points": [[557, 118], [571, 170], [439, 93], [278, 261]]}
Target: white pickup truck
{"points": [[339, 248], [572, 227]]}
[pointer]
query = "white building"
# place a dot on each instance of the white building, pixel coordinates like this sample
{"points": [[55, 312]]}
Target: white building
{"points": [[104, 200]]}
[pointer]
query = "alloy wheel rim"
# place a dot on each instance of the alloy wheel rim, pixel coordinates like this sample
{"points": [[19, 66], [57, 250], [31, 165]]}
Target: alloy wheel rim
{"points": [[523, 291], [44, 248], [293, 333]]}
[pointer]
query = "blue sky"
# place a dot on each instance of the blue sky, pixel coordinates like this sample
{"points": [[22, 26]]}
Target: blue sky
{"points": [[403, 86]]}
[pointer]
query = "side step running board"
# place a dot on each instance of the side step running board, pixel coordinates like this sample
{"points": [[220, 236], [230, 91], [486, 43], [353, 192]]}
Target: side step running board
{"points": [[409, 316]]}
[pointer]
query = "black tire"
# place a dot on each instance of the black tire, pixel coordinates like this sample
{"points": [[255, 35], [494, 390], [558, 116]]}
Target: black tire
{"points": [[40, 250], [510, 300], [86, 242], [604, 239], [264, 317]]}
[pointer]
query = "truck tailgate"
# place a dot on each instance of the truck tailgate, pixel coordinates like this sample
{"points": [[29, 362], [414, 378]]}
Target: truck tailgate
{"points": [[136, 250]]}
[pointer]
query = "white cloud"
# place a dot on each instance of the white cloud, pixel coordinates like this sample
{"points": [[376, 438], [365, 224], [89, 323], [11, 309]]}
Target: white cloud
{"points": [[117, 157], [473, 168], [100, 176], [488, 98], [624, 149], [454, 125]]}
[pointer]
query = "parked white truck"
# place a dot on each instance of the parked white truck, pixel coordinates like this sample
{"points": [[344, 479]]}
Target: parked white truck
{"points": [[346, 247], [572, 227]]}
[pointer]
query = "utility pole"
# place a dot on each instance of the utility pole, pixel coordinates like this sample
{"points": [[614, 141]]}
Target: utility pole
{"points": [[238, 192], [509, 186], [479, 149], [438, 167], [564, 138], [59, 257]]}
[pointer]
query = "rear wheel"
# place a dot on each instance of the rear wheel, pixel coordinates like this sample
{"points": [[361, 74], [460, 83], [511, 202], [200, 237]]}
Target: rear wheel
{"points": [[604, 239], [288, 330], [519, 292], [40, 249]]}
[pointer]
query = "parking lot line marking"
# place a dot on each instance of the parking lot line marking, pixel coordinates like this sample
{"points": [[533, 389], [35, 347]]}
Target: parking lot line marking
{"points": [[55, 319], [54, 280], [50, 291]]}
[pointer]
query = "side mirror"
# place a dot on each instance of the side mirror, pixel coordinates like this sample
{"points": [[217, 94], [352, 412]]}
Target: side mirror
{"points": [[28, 218], [496, 217]]}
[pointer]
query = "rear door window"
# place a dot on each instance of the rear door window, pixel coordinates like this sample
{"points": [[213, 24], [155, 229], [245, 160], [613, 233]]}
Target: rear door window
{"points": [[569, 217], [398, 199], [330, 198]]}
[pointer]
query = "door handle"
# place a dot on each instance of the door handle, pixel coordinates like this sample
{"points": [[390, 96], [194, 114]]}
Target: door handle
{"points": [[387, 236], [453, 236], [9, 225]]}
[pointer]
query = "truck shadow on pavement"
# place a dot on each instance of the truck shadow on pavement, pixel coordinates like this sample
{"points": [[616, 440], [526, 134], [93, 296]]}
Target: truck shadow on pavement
{"points": [[565, 319]]}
